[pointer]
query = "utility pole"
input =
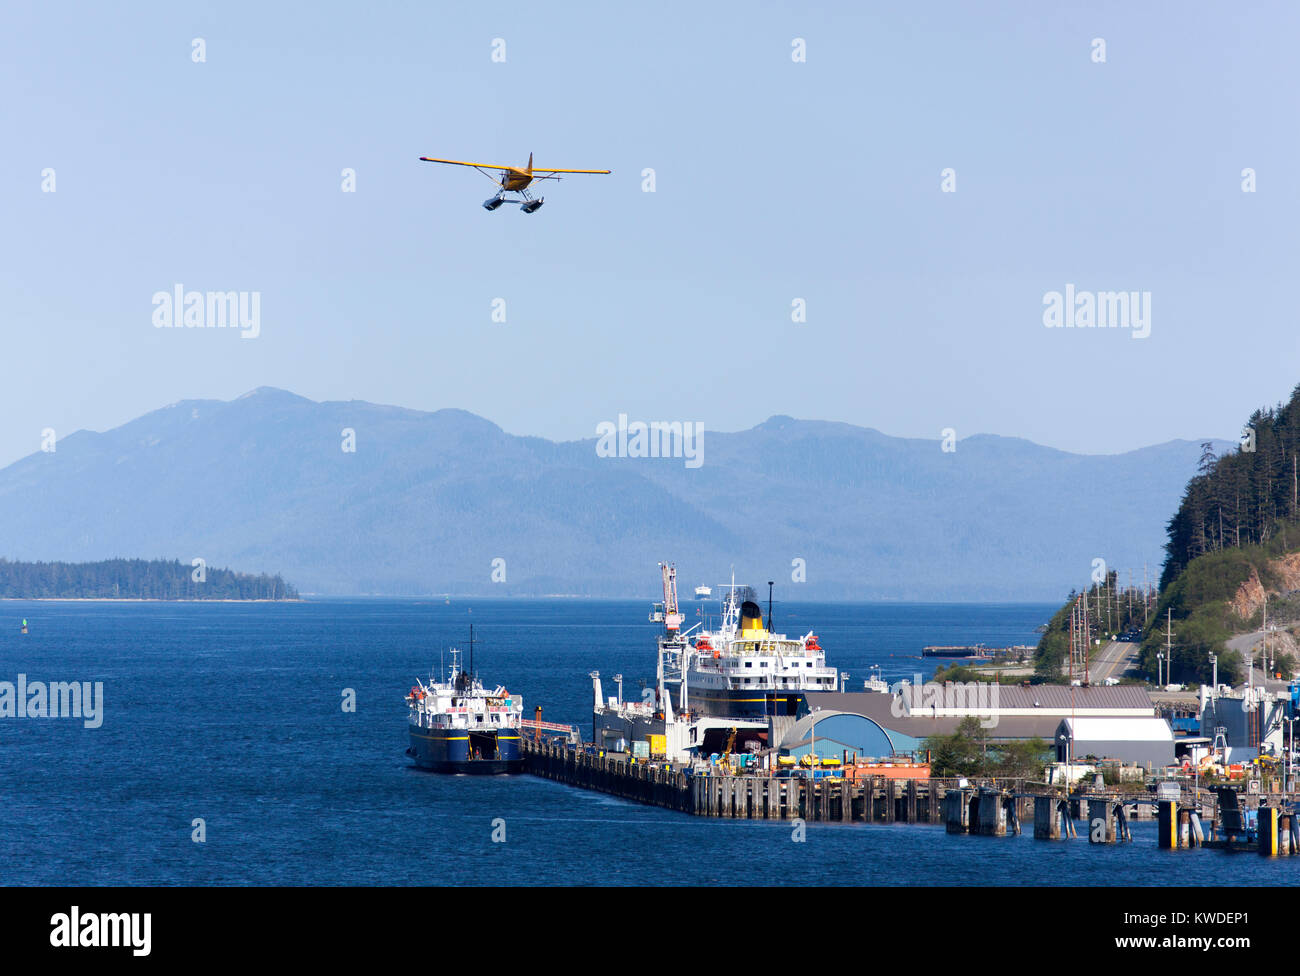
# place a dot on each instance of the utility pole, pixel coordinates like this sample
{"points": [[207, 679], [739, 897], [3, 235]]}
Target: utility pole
{"points": [[1146, 596], [1250, 691], [1169, 638], [1267, 669], [1250, 672], [1079, 640], [1086, 679], [1074, 613], [1078, 636]]}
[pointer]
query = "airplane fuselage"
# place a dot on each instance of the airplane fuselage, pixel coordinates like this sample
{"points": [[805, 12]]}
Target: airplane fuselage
{"points": [[515, 179]]}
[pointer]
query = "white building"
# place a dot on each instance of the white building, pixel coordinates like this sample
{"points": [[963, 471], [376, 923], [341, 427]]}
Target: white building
{"points": [[1145, 740]]}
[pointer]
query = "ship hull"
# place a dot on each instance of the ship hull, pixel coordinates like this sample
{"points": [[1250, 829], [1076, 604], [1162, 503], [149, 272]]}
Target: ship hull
{"points": [[459, 751], [743, 703]]}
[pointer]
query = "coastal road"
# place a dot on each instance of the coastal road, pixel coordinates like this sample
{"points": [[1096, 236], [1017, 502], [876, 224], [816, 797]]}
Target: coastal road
{"points": [[1113, 660]]}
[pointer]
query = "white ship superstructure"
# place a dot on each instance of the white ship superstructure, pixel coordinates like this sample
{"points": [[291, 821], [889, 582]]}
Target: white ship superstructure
{"points": [[744, 668], [736, 683]]}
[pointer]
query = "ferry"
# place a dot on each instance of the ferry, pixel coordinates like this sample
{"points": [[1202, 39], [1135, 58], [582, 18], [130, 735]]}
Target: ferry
{"points": [[728, 685], [744, 668], [459, 726]]}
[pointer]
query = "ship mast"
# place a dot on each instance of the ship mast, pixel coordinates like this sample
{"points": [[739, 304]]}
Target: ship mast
{"points": [[730, 608]]}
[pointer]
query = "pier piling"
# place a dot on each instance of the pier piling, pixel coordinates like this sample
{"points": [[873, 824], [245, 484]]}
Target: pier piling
{"points": [[956, 805], [1268, 839], [1047, 825], [1101, 821], [1167, 826], [991, 819]]}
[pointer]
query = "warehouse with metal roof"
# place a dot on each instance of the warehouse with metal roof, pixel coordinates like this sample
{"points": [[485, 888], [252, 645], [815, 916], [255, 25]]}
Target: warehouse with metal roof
{"points": [[907, 732], [1117, 722], [1134, 740]]}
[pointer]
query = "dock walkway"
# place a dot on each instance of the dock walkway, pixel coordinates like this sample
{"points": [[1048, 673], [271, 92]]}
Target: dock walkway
{"points": [[989, 808], [874, 799]]}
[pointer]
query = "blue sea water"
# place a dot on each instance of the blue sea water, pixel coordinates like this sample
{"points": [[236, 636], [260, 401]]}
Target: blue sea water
{"points": [[232, 713]]}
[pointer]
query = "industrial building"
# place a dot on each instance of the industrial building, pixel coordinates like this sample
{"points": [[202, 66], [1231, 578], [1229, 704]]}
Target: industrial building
{"points": [[1146, 741], [1117, 722], [1240, 724], [831, 734]]}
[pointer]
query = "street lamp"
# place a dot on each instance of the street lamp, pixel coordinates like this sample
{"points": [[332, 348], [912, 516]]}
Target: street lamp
{"points": [[1290, 722]]}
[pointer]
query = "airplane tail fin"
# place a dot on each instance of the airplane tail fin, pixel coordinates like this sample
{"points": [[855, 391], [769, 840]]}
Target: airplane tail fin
{"points": [[530, 164]]}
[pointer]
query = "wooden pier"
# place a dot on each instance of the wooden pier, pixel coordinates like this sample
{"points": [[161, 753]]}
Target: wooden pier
{"points": [[871, 799], [991, 810]]}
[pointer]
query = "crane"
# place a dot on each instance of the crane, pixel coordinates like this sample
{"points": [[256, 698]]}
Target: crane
{"points": [[672, 614], [726, 753]]}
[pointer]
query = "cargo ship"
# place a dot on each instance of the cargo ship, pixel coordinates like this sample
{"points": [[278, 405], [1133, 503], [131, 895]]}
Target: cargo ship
{"points": [[459, 726]]}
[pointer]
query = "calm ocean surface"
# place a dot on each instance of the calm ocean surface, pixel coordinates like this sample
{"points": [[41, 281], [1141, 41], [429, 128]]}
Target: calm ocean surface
{"points": [[231, 713]]}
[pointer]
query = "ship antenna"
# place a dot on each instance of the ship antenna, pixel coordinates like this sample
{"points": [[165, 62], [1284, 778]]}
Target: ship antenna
{"points": [[770, 584], [471, 650]]}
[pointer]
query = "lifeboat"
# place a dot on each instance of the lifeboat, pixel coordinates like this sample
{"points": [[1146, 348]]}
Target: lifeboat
{"points": [[703, 644], [812, 644]]}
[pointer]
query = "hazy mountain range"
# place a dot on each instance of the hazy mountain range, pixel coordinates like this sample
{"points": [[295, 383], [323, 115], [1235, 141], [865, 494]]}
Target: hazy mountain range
{"points": [[428, 500]]}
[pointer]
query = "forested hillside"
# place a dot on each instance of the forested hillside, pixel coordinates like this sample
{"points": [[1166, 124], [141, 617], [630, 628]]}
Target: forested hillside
{"points": [[1245, 497], [1232, 556], [121, 579]]}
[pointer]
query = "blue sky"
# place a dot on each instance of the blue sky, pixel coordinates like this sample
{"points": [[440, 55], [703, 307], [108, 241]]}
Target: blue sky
{"points": [[775, 180]]}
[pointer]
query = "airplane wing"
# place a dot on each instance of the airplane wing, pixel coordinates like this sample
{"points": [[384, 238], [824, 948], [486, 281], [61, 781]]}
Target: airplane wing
{"points": [[461, 162], [538, 169]]}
